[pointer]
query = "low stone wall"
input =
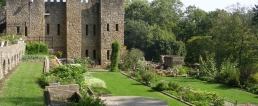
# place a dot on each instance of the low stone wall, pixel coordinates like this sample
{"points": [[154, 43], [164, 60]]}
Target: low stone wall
{"points": [[10, 56], [60, 95]]}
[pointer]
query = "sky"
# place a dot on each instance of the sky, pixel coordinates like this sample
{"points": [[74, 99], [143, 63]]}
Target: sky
{"points": [[211, 5]]}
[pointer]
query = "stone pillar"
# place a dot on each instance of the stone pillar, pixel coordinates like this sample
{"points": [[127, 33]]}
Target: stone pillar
{"points": [[73, 36]]}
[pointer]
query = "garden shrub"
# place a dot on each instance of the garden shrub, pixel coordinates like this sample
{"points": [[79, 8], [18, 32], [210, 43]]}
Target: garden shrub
{"points": [[95, 82], [228, 74], [173, 86], [130, 58], [89, 101], [182, 70], [147, 77], [36, 48], [66, 74], [115, 56], [161, 86]]}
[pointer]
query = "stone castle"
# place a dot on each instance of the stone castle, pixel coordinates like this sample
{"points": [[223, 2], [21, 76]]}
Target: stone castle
{"points": [[79, 28]]}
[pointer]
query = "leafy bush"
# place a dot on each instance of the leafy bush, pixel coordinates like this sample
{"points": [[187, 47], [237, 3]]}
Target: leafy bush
{"points": [[95, 82], [115, 56], [136, 75], [36, 48], [147, 77], [173, 86], [182, 70], [228, 74], [161, 86], [130, 58], [208, 66], [89, 101], [67, 74]]}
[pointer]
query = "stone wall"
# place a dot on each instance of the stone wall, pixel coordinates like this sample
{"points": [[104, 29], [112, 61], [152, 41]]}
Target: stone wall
{"points": [[112, 16], [21, 14], [55, 14], [90, 36], [10, 56], [87, 27], [73, 22]]}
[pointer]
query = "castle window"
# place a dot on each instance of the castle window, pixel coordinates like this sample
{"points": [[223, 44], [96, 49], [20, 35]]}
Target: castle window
{"points": [[47, 29], [94, 54], [87, 53], [108, 54], [87, 27], [116, 27], [87, 1], [26, 31], [107, 27], [57, 0], [18, 30], [94, 29], [58, 29]]}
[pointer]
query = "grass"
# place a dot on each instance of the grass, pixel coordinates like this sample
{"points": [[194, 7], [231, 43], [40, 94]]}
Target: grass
{"points": [[229, 93], [21, 88], [120, 85]]}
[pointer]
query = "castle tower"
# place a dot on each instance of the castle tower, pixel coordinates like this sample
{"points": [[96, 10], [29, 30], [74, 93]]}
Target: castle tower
{"points": [[112, 27], [26, 18]]}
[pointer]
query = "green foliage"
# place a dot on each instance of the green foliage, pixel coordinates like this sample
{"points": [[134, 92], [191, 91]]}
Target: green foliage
{"points": [[148, 76], [182, 70], [208, 66], [198, 46], [2, 3], [130, 58], [95, 82], [89, 101], [161, 85], [65, 74], [228, 74], [36, 48], [115, 56], [28, 57]]}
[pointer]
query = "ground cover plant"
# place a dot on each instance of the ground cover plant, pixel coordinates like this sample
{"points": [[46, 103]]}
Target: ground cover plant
{"points": [[21, 88], [228, 93], [120, 85]]}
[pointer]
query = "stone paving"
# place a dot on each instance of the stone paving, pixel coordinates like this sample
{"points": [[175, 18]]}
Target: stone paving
{"points": [[133, 101]]}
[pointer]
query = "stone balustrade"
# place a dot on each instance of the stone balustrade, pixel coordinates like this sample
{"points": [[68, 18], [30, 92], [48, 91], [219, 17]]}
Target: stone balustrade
{"points": [[10, 56]]}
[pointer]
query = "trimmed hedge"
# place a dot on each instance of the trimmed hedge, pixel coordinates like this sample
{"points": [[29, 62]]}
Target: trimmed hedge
{"points": [[114, 56], [36, 48]]}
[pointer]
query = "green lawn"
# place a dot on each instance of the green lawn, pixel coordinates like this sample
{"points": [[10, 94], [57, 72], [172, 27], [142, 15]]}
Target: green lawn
{"points": [[229, 93], [21, 88], [120, 85]]}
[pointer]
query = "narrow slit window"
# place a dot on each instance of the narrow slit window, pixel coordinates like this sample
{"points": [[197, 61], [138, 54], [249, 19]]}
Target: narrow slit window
{"points": [[87, 28], [58, 29], [18, 30], [94, 29], [108, 53], [107, 27], [26, 31], [87, 53], [94, 54], [47, 29], [117, 27]]}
